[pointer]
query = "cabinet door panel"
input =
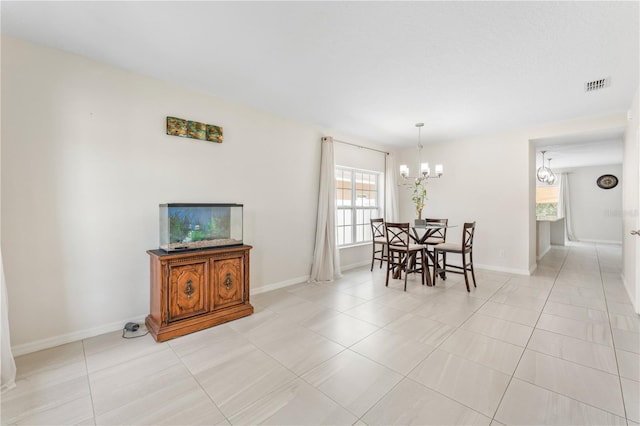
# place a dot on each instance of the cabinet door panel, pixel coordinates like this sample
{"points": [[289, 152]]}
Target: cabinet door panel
{"points": [[187, 290], [228, 281]]}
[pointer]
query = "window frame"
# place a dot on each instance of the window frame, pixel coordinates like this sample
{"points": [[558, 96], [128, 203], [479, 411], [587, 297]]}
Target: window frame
{"points": [[354, 208], [542, 194]]}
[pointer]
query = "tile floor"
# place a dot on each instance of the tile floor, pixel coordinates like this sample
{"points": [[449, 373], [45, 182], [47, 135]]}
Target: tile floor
{"points": [[560, 347]]}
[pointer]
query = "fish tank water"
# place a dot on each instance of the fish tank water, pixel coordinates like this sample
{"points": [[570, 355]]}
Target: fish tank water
{"points": [[196, 226]]}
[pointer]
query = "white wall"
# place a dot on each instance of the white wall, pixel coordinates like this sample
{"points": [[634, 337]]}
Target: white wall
{"points": [[631, 205], [483, 181], [543, 231], [490, 179], [596, 213], [86, 161]]}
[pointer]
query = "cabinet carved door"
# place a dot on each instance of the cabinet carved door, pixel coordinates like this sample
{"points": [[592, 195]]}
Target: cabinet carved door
{"points": [[187, 290], [228, 279]]}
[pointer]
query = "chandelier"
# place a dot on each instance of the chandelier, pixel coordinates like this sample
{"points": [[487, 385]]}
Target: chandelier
{"points": [[545, 174], [425, 172]]}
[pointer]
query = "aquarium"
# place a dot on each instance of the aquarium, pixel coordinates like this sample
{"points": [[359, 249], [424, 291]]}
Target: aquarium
{"points": [[197, 226]]}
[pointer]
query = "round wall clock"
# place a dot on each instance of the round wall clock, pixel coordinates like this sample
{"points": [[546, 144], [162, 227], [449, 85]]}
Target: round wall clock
{"points": [[607, 181]]}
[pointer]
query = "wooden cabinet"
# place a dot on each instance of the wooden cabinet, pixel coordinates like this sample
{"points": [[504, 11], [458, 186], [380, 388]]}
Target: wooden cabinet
{"points": [[187, 289], [226, 272], [194, 290]]}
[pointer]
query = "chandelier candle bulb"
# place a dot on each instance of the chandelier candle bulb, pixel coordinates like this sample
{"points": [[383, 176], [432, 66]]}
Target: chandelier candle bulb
{"points": [[439, 169], [424, 169]]}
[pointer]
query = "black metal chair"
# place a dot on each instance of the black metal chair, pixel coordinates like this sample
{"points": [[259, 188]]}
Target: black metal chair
{"points": [[464, 249], [402, 255]]}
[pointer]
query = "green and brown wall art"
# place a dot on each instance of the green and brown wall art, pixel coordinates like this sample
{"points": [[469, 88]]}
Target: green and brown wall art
{"points": [[193, 129]]}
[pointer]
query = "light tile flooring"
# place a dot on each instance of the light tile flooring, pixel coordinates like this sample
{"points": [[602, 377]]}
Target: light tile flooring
{"points": [[559, 347]]}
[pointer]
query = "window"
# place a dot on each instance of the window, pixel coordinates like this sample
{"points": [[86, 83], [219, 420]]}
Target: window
{"points": [[357, 201], [547, 201]]}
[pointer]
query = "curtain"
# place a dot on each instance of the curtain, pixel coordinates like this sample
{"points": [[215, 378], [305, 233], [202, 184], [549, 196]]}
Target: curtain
{"points": [[390, 190], [8, 365], [326, 257], [561, 178], [564, 206]]}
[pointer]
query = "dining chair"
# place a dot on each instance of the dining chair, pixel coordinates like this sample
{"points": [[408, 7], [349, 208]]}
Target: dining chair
{"points": [[379, 241], [437, 236], [402, 254], [464, 249]]}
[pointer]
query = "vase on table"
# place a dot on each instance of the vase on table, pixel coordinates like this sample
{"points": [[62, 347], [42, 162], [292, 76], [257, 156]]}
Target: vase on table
{"points": [[418, 196]]}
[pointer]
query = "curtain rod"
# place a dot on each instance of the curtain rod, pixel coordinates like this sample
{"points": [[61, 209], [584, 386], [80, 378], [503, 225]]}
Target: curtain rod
{"points": [[360, 146]]}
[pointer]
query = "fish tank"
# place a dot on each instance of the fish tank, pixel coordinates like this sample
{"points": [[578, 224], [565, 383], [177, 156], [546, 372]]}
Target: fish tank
{"points": [[196, 226]]}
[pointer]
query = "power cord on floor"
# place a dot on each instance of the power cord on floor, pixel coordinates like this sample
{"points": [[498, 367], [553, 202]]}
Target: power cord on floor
{"points": [[132, 327]]}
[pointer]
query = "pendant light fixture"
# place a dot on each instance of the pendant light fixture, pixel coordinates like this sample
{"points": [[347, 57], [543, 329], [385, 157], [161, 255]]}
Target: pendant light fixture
{"points": [[425, 171], [551, 179], [545, 174]]}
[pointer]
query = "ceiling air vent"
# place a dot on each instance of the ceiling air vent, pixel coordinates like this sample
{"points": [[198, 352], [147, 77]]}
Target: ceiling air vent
{"points": [[590, 86]]}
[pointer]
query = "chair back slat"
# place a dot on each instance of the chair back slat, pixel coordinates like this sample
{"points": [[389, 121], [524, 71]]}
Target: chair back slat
{"points": [[441, 232], [467, 235], [397, 235], [377, 228]]}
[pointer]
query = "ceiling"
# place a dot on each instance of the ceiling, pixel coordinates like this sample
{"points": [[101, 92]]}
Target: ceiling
{"points": [[370, 70], [581, 149]]}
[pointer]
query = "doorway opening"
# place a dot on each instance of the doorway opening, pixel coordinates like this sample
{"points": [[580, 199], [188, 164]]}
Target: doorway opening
{"points": [[581, 203]]}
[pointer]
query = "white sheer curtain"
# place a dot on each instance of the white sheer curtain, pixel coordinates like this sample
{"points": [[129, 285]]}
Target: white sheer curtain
{"points": [[390, 190], [326, 257], [564, 206], [561, 178], [8, 364]]}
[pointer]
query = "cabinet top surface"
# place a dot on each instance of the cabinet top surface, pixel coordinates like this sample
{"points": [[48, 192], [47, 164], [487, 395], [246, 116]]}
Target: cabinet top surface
{"points": [[162, 253]]}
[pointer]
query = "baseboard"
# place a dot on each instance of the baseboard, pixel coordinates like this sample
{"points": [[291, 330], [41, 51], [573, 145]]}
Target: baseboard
{"points": [[617, 243], [62, 339], [281, 284], [356, 265], [8, 386], [303, 279], [636, 307], [502, 269], [545, 252], [54, 341], [293, 281]]}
